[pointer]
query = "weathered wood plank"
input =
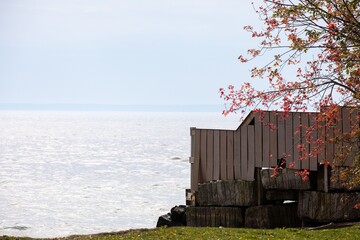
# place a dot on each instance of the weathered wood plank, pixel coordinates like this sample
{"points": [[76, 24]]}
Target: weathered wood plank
{"points": [[346, 115], [197, 178], [258, 141], [244, 152], [216, 174], [215, 217], [305, 164], [329, 147], [203, 154], [284, 180], [297, 140], [230, 155], [321, 134], [251, 153], [210, 155], [270, 216], [328, 207], [355, 122], [313, 138], [281, 137], [223, 153], [227, 193], [266, 140], [339, 159], [289, 139], [273, 139], [237, 156], [193, 173]]}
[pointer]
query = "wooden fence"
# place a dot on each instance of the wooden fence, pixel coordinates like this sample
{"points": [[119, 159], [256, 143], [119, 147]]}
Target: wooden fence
{"points": [[261, 140]]}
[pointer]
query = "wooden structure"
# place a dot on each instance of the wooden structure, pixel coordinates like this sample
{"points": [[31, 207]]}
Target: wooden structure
{"points": [[260, 141], [232, 183]]}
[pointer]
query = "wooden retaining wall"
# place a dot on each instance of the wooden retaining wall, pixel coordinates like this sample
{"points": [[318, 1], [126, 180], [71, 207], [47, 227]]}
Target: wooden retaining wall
{"points": [[261, 140]]}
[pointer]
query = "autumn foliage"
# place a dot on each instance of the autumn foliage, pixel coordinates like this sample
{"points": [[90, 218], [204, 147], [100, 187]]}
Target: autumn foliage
{"points": [[314, 50]]}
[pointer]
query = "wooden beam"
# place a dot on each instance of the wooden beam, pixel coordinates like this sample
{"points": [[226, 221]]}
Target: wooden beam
{"points": [[223, 153], [289, 139], [273, 139], [258, 141], [216, 174], [230, 155], [305, 164], [297, 140], [237, 152], [203, 155], [244, 152], [209, 155], [251, 153], [266, 140]]}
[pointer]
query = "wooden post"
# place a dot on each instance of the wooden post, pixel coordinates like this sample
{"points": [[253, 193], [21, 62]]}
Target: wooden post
{"points": [[326, 178]]}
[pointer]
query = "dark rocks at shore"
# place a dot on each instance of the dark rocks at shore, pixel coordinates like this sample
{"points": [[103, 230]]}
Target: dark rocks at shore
{"points": [[176, 217]]}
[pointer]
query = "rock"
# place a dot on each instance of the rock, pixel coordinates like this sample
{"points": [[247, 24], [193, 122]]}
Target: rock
{"points": [[164, 220], [178, 214], [177, 217]]}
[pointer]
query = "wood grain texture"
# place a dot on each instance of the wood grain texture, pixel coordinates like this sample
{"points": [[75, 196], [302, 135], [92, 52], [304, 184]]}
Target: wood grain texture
{"points": [[209, 155], [216, 173]]}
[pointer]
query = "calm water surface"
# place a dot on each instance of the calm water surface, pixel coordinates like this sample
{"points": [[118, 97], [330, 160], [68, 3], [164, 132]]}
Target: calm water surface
{"points": [[64, 173]]}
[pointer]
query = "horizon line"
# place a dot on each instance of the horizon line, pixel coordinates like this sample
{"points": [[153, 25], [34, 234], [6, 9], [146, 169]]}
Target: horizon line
{"points": [[112, 107]]}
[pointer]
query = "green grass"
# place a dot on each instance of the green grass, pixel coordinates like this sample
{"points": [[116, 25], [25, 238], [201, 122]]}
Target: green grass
{"points": [[221, 233]]}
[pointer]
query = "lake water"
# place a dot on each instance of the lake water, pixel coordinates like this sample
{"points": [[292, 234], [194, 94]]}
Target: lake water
{"points": [[64, 173]]}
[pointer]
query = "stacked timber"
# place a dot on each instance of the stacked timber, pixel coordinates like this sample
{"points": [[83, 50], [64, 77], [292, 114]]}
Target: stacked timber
{"points": [[227, 193], [285, 179], [272, 216], [215, 216], [323, 207], [284, 185]]}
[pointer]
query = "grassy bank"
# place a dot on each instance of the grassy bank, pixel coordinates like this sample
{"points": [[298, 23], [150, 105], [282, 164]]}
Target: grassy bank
{"points": [[222, 233]]}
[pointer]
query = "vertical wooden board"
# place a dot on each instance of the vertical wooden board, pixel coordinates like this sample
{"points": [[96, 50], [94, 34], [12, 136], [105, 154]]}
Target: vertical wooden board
{"points": [[209, 155], [355, 124], [203, 154], [266, 140], [244, 151], [273, 140], [258, 141], [237, 157], [197, 145], [223, 155], [321, 134], [251, 153], [216, 174], [346, 116], [314, 137], [297, 140], [338, 133], [192, 156], [329, 147], [289, 139], [305, 141], [281, 137], [230, 155]]}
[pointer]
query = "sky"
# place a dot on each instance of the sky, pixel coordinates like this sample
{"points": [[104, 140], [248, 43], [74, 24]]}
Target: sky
{"points": [[122, 52]]}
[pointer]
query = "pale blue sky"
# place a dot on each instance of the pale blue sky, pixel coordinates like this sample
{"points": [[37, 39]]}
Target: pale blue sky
{"points": [[121, 51]]}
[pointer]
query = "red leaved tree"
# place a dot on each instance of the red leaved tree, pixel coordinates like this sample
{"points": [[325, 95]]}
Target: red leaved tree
{"points": [[314, 47]]}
